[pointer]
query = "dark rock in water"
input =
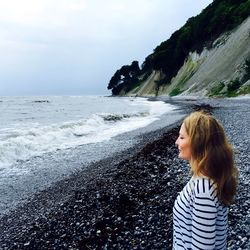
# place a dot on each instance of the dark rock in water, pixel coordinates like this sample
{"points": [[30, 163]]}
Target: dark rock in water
{"points": [[41, 101]]}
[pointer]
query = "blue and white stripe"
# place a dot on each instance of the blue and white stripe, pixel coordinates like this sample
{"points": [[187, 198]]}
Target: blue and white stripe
{"points": [[200, 220]]}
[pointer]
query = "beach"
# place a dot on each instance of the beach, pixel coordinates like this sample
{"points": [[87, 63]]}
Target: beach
{"points": [[125, 201]]}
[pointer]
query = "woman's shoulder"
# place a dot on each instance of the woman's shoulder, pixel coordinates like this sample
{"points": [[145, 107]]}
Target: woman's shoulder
{"points": [[205, 190], [203, 185]]}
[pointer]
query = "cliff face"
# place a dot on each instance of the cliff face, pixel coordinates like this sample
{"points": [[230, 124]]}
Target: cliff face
{"points": [[147, 87], [211, 72]]}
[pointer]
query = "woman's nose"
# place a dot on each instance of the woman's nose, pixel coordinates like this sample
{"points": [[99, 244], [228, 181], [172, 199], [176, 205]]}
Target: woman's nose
{"points": [[176, 142]]}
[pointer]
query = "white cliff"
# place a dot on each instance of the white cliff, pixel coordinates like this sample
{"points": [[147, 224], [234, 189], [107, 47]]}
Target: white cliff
{"points": [[212, 68]]}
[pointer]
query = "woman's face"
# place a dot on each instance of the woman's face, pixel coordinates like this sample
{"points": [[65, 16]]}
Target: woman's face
{"points": [[183, 143]]}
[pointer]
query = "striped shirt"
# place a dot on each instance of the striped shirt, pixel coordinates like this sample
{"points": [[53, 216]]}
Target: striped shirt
{"points": [[199, 219]]}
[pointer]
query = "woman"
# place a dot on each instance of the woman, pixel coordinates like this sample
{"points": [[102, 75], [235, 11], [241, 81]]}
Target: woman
{"points": [[200, 211]]}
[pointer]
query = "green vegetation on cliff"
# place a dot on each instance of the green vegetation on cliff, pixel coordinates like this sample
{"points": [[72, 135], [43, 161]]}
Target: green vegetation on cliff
{"points": [[198, 32], [234, 87], [124, 78]]}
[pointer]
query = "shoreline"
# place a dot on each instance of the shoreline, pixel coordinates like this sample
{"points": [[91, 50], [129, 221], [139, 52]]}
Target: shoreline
{"points": [[125, 202], [27, 177], [108, 204], [133, 141]]}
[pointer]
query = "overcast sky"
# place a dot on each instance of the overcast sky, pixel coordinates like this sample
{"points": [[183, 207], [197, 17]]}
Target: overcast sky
{"points": [[73, 47]]}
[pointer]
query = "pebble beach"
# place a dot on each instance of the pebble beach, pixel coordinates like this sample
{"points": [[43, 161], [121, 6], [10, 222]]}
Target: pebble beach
{"points": [[125, 201]]}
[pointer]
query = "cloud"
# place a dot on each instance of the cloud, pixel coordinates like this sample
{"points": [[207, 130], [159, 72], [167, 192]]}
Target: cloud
{"points": [[86, 20], [78, 18], [82, 42], [39, 13]]}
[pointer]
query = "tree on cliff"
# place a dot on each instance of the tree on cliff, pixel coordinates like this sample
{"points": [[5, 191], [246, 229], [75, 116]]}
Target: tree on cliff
{"points": [[124, 78]]}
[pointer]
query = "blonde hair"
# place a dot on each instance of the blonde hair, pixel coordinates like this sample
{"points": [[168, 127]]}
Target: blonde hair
{"points": [[211, 154]]}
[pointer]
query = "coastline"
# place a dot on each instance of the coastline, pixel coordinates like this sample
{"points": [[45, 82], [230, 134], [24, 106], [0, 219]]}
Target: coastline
{"points": [[39, 160], [124, 202]]}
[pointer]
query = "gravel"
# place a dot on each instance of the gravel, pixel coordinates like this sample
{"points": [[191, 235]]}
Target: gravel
{"points": [[125, 202], [235, 116]]}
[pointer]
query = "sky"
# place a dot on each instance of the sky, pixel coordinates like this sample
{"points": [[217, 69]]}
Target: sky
{"points": [[73, 47]]}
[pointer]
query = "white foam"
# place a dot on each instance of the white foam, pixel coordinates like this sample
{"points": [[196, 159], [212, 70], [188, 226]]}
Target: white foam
{"points": [[21, 142]]}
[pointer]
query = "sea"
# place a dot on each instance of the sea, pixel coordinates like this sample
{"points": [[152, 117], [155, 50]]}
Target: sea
{"points": [[44, 139]]}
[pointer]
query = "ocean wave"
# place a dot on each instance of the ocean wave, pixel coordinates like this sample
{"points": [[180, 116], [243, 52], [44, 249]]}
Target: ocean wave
{"points": [[22, 144], [26, 140]]}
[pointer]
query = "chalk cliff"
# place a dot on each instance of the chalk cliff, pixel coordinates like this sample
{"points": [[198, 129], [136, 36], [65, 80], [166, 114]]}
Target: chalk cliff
{"points": [[209, 72], [208, 56]]}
